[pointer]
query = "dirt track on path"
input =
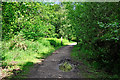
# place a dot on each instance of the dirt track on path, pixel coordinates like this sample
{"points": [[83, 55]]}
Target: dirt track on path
{"points": [[50, 67]]}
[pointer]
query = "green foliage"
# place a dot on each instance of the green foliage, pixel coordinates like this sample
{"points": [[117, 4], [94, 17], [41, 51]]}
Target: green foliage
{"points": [[30, 27], [33, 19], [90, 24], [30, 31], [57, 42], [97, 27]]}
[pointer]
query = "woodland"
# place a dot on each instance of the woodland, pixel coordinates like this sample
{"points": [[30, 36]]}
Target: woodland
{"points": [[32, 30]]}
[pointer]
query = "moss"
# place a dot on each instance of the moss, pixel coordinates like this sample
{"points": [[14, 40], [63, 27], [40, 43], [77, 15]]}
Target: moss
{"points": [[65, 67]]}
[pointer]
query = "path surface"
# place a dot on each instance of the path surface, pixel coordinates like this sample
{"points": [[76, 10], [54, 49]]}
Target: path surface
{"points": [[50, 66]]}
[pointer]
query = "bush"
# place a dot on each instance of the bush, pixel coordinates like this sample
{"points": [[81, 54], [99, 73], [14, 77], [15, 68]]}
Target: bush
{"points": [[57, 42], [107, 55], [102, 54]]}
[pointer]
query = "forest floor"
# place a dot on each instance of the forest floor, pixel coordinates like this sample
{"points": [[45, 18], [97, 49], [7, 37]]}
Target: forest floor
{"points": [[49, 68]]}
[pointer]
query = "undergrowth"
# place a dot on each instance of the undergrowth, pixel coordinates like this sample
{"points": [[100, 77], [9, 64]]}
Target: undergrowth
{"points": [[82, 54], [18, 54]]}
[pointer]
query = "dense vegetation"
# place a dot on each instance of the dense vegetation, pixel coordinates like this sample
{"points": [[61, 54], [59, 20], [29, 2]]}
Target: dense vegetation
{"points": [[29, 29], [97, 29]]}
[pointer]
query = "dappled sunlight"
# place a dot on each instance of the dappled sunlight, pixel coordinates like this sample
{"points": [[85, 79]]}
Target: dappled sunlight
{"points": [[32, 31], [73, 44]]}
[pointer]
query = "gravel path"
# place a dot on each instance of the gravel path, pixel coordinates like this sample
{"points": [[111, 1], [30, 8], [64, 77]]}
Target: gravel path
{"points": [[50, 66]]}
